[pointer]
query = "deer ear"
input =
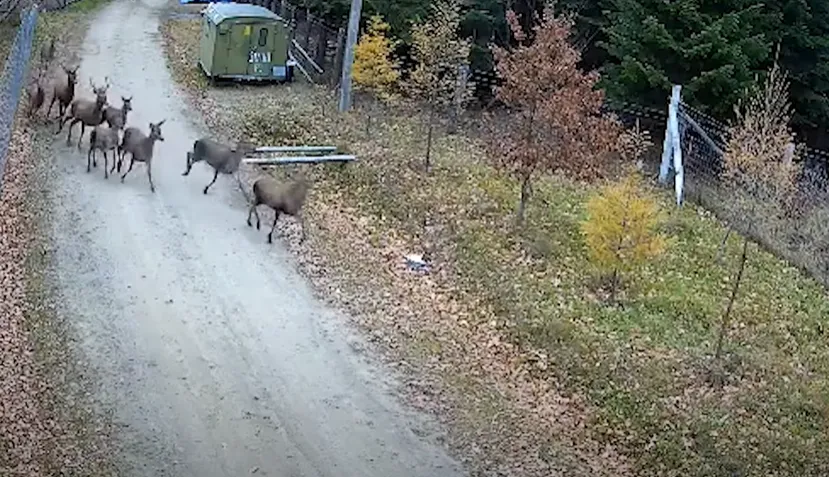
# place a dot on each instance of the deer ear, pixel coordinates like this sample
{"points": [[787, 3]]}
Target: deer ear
{"points": [[161, 122]]}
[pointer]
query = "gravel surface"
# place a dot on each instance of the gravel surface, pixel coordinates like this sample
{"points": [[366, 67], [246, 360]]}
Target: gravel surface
{"points": [[210, 346]]}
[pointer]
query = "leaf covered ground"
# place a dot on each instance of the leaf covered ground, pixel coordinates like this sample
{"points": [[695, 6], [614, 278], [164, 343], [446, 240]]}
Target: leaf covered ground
{"points": [[47, 427], [507, 339]]}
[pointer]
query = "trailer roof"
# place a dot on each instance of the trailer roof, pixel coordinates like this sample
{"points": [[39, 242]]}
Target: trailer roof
{"points": [[219, 12]]}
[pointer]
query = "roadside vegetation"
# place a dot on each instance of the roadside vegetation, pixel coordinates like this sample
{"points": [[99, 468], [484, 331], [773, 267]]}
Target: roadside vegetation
{"points": [[598, 334], [47, 424]]}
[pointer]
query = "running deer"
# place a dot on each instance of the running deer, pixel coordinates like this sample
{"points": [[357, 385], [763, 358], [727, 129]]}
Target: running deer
{"points": [[223, 159], [63, 90], [87, 112], [140, 148]]}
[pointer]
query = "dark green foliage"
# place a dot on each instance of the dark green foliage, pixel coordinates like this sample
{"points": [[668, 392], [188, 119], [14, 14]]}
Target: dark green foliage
{"points": [[712, 48], [485, 25], [803, 32], [400, 14]]}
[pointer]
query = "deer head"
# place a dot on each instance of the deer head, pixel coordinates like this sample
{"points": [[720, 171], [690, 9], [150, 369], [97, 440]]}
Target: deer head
{"points": [[71, 74], [127, 104], [155, 131], [100, 92]]}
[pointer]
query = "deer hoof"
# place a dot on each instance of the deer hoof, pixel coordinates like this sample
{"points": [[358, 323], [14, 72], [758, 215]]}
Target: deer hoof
{"points": [[249, 223], [270, 239], [205, 191], [257, 226]]}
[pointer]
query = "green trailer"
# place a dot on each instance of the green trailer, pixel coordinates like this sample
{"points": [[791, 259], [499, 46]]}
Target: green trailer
{"points": [[244, 42]]}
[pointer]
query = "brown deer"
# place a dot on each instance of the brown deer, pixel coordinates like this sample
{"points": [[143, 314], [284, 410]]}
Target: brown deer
{"points": [[63, 90], [140, 147], [87, 112]]}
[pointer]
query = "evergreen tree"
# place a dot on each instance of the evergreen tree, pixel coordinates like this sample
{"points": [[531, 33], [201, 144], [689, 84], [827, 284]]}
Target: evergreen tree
{"points": [[711, 48], [803, 33]]}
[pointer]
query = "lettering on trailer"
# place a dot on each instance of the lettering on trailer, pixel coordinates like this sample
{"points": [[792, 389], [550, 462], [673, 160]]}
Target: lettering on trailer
{"points": [[259, 57]]}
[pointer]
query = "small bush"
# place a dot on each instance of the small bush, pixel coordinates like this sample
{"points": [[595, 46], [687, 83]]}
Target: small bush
{"points": [[620, 231]]}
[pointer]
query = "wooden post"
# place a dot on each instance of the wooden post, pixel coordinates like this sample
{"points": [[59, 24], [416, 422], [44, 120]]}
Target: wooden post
{"points": [[308, 25], [338, 58], [461, 86], [322, 47]]}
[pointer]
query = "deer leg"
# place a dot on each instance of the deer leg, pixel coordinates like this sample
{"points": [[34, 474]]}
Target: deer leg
{"points": [[51, 104], [80, 138], [215, 175], [301, 227], [69, 134], [119, 153], [106, 164], [250, 212], [62, 120], [132, 162], [114, 158], [89, 158], [275, 218], [150, 175], [256, 212]]}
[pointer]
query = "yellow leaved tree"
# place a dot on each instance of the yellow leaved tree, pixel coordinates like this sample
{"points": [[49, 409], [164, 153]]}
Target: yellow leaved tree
{"points": [[374, 71], [621, 229]]}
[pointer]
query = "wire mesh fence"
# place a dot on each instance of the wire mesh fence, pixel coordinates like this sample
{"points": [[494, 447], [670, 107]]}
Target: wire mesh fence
{"points": [[13, 78], [794, 229], [315, 45]]}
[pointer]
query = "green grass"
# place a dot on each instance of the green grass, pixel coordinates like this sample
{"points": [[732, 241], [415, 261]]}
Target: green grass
{"points": [[644, 366]]}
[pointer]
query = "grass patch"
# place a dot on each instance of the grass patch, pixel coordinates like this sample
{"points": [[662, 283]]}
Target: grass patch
{"points": [[643, 366]]}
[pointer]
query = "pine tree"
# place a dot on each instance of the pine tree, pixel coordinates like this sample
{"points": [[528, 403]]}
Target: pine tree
{"points": [[711, 48], [802, 30]]}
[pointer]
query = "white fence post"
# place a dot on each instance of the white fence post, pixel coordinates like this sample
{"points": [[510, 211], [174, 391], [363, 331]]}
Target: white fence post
{"points": [[671, 148]]}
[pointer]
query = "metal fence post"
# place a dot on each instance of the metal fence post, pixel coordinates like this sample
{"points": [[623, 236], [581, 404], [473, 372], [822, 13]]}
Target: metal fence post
{"points": [[11, 80]]}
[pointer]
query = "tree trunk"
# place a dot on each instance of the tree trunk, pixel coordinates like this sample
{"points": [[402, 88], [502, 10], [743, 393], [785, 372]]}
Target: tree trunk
{"points": [[727, 315], [722, 244], [614, 285], [526, 192], [429, 138], [369, 113]]}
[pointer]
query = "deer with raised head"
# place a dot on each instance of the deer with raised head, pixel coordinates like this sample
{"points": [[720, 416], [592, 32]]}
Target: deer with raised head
{"points": [[63, 90], [116, 118], [140, 147], [47, 54], [87, 112]]}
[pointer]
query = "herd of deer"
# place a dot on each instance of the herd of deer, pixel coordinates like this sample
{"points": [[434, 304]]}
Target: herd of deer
{"points": [[110, 134]]}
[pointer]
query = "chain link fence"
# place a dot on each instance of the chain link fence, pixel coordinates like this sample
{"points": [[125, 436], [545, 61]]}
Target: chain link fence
{"points": [[798, 233], [13, 78]]}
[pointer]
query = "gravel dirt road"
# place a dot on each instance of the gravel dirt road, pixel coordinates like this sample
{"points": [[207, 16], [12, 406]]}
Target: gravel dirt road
{"points": [[212, 350]]}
